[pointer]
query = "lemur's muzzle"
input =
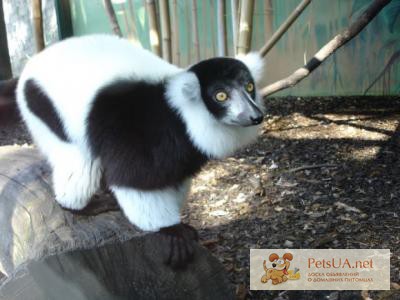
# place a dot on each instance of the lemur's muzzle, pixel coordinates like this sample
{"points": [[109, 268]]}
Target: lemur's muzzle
{"points": [[252, 114]]}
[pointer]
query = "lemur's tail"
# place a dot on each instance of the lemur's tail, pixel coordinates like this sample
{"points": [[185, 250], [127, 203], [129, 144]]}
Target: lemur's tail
{"points": [[8, 104]]}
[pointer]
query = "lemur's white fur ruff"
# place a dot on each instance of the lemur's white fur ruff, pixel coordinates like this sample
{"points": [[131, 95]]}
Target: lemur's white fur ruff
{"points": [[71, 73]]}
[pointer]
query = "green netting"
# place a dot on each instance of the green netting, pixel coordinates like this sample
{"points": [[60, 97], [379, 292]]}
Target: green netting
{"points": [[370, 61]]}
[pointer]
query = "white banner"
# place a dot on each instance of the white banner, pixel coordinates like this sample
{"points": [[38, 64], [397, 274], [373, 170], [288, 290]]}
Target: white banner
{"points": [[320, 269]]}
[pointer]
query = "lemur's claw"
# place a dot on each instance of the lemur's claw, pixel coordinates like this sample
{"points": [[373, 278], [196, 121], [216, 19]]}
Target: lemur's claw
{"points": [[177, 242]]}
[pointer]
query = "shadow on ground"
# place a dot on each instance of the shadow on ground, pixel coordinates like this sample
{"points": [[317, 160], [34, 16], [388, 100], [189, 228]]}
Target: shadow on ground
{"points": [[272, 195]]}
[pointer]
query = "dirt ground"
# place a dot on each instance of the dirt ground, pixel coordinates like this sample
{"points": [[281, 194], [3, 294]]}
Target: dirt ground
{"points": [[323, 174]]}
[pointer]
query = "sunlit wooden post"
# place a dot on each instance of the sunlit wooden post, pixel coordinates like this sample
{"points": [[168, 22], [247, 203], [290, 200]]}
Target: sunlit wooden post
{"points": [[153, 27], [165, 30], [38, 24], [245, 26]]}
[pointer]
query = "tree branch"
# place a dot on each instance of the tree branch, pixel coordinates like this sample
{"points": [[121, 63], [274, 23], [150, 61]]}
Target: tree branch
{"points": [[338, 41], [113, 18], [391, 61], [284, 27]]}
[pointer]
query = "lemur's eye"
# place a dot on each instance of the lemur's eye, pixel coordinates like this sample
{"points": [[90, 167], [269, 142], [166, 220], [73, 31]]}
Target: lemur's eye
{"points": [[249, 87], [221, 96]]}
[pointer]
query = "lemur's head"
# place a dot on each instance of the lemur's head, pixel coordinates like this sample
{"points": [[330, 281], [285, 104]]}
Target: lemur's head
{"points": [[228, 88]]}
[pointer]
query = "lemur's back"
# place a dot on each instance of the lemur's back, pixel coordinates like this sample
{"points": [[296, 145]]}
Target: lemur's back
{"points": [[73, 71]]}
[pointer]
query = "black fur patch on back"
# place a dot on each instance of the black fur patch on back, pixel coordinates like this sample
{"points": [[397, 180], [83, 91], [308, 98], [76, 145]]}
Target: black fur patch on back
{"points": [[141, 141], [40, 105]]}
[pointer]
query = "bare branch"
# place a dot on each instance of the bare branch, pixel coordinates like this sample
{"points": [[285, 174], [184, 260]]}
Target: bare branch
{"points": [[113, 18], [337, 42], [284, 27], [395, 56]]}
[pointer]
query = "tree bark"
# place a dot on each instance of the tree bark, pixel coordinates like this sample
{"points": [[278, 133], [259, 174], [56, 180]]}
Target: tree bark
{"points": [[112, 17], [38, 24], [47, 252], [338, 41]]}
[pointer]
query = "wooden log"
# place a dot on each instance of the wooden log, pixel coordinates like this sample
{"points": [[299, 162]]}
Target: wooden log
{"points": [[47, 252]]}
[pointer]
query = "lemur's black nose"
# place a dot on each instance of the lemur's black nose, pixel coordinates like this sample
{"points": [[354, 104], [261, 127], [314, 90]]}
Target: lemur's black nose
{"points": [[257, 120], [274, 265]]}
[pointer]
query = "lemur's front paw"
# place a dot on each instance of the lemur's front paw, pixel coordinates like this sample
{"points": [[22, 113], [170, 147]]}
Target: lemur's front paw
{"points": [[177, 244]]}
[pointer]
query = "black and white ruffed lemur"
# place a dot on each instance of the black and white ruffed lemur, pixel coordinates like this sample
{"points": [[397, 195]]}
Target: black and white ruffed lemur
{"points": [[99, 107]]}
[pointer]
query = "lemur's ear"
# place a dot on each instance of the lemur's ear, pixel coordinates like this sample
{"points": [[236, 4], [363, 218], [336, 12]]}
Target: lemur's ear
{"points": [[184, 87], [254, 62], [191, 87]]}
